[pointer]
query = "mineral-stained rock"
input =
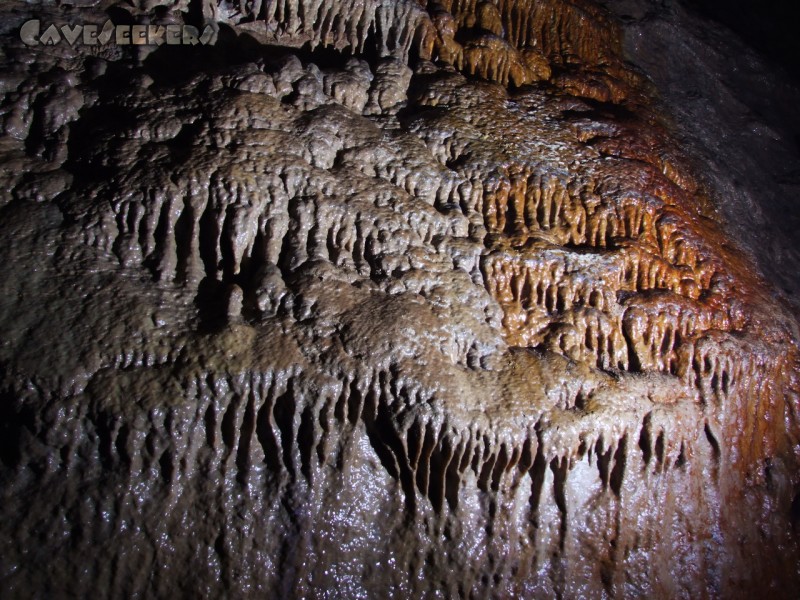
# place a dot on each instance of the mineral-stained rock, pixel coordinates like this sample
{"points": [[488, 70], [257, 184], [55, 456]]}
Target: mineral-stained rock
{"points": [[378, 299]]}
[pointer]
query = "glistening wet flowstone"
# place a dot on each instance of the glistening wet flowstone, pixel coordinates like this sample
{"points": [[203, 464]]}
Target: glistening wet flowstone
{"points": [[377, 299]]}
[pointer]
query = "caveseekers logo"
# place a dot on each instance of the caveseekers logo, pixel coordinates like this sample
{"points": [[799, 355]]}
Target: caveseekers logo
{"points": [[32, 34]]}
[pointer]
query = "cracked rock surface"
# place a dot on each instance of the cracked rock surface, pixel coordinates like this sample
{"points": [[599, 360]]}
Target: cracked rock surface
{"points": [[381, 299]]}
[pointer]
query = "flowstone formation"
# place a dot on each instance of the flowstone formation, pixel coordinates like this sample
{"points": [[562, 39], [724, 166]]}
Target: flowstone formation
{"points": [[377, 299]]}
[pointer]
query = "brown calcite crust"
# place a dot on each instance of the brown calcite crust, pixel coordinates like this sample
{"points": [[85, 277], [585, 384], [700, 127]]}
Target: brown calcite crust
{"points": [[377, 299]]}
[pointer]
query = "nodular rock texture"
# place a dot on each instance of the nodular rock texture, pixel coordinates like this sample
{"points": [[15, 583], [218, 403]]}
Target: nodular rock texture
{"points": [[381, 299]]}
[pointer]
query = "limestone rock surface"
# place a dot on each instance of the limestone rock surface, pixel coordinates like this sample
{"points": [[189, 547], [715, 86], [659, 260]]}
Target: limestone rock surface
{"points": [[379, 299]]}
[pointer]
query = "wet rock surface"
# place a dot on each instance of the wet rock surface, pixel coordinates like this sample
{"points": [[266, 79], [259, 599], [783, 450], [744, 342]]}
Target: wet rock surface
{"points": [[377, 299]]}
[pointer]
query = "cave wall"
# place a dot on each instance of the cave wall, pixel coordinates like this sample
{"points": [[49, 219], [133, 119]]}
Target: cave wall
{"points": [[379, 298]]}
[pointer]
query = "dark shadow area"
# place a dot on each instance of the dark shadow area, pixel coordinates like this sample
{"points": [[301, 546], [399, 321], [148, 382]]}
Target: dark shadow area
{"points": [[769, 26]]}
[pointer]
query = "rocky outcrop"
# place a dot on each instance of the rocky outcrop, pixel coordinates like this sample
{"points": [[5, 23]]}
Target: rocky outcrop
{"points": [[400, 298]]}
